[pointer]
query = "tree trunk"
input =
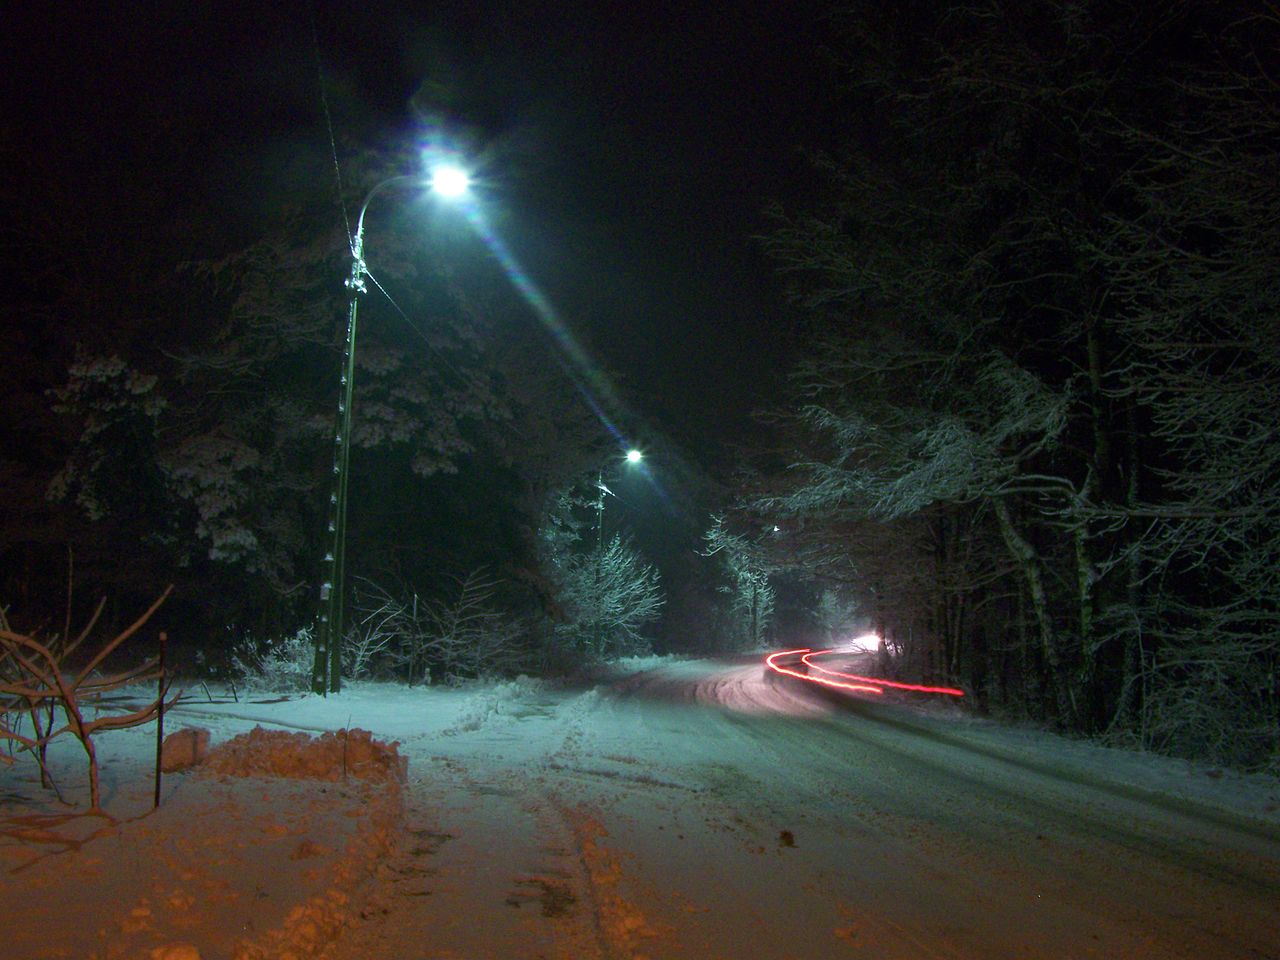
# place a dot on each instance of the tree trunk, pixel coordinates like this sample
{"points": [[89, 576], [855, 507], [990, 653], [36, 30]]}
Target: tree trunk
{"points": [[1024, 554], [755, 613], [1085, 611], [1030, 675], [1129, 703], [1095, 482]]}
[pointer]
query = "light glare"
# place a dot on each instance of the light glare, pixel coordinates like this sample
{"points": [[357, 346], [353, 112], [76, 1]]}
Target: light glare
{"points": [[450, 181], [634, 456], [867, 643]]}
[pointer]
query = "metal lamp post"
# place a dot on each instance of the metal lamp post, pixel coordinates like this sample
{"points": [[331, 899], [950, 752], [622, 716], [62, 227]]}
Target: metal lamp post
{"points": [[633, 457], [326, 671]]}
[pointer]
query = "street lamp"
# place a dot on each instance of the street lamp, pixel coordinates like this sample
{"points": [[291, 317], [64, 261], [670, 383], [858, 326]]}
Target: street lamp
{"points": [[326, 672], [450, 181], [633, 457]]}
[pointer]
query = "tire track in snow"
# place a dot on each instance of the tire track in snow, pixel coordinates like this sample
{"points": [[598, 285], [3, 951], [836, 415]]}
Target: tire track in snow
{"points": [[1057, 835]]}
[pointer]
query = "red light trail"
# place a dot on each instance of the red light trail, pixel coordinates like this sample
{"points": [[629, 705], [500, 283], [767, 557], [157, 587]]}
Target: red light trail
{"points": [[862, 684], [771, 662]]}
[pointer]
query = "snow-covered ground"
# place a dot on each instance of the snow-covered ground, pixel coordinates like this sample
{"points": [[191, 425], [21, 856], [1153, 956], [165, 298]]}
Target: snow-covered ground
{"points": [[677, 809]]}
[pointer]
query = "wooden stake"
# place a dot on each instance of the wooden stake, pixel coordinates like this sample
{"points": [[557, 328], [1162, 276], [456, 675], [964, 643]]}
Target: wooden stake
{"points": [[160, 719]]}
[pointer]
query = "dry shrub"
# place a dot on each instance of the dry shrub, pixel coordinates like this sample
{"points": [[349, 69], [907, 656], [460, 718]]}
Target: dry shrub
{"points": [[37, 681]]}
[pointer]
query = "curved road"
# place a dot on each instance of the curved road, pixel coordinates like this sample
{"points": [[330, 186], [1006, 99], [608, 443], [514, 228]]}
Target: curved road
{"points": [[717, 810]]}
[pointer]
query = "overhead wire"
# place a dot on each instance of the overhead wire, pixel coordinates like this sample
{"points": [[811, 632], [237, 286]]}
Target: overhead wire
{"points": [[328, 119]]}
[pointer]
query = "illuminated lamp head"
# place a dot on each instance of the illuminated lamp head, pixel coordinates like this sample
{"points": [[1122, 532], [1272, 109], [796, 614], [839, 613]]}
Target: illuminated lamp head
{"points": [[450, 181]]}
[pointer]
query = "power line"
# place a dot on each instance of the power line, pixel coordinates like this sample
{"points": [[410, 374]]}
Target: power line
{"points": [[328, 119]]}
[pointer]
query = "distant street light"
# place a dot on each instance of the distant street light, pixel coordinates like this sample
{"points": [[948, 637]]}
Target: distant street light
{"points": [[450, 182], [633, 457]]}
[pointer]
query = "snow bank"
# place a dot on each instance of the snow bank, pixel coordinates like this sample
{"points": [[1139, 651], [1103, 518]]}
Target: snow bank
{"points": [[490, 702], [256, 855], [331, 756], [184, 749]]}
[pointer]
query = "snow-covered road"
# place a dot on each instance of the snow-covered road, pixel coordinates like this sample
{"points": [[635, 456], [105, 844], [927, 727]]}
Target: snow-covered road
{"points": [[709, 809]]}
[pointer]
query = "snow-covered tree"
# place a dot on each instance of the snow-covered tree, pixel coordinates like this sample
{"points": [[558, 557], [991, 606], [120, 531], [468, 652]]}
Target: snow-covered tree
{"points": [[1042, 332], [112, 465], [836, 614], [220, 435], [746, 567], [1196, 299], [610, 594], [605, 590]]}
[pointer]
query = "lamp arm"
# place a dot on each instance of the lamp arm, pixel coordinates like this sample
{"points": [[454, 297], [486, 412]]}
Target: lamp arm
{"points": [[357, 240]]}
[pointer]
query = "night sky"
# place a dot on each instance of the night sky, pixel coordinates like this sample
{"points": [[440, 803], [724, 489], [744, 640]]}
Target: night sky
{"points": [[630, 149]]}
